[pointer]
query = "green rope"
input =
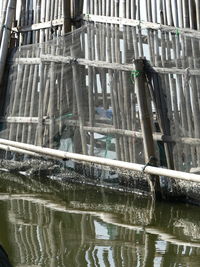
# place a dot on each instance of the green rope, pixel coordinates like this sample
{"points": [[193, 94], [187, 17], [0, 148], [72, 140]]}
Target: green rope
{"points": [[177, 32], [69, 115], [135, 73]]}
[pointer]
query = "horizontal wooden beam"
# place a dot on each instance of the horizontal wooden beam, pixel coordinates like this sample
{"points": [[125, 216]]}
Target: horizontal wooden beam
{"points": [[112, 20], [21, 119], [105, 129], [39, 26], [142, 24], [26, 61], [98, 64]]}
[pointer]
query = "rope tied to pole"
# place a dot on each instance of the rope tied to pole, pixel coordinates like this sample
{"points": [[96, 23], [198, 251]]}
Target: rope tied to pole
{"points": [[135, 74], [68, 115], [177, 32], [7, 28], [152, 162]]}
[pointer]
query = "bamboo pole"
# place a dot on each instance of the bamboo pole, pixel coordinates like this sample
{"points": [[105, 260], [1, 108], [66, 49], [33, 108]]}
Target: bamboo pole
{"points": [[111, 82], [90, 90], [143, 110], [40, 105], [198, 14], [67, 16], [79, 102], [15, 104], [105, 162], [145, 121], [22, 96], [4, 4], [6, 36], [32, 89]]}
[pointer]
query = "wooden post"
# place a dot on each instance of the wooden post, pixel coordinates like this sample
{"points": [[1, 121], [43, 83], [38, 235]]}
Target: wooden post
{"points": [[143, 110], [145, 121], [67, 16], [6, 35]]}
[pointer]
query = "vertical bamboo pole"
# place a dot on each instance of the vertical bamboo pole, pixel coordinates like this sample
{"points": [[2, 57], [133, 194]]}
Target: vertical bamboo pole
{"points": [[186, 14], [6, 35], [90, 89], [52, 106], [3, 10], [198, 14], [30, 108], [15, 104], [79, 102], [110, 52], [66, 16], [40, 105], [145, 120], [192, 14], [143, 110], [22, 97]]}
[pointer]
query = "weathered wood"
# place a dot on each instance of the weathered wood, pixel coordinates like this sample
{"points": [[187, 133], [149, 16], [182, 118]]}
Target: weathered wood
{"points": [[145, 121], [143, 110]]}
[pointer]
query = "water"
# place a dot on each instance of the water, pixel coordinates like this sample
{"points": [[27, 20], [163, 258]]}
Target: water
{"points": [[51, 224]]}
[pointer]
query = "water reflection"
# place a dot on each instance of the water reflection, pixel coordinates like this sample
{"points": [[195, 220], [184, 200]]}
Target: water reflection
{"points": [[48, 223]]}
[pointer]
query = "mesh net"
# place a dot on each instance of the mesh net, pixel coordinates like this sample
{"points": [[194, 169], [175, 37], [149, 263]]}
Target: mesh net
{"points": [[77, 103]]}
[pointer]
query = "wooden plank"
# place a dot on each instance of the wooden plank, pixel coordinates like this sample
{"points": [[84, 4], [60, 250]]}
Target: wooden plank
{"points": [[104, 129], [145, 120], [39, 26], [20, 119]]}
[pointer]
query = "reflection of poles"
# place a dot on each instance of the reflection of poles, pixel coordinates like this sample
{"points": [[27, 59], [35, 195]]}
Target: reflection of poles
{"points": [[62, 242], [150, 250], [52, 239], [80, 249], [16, 230]]}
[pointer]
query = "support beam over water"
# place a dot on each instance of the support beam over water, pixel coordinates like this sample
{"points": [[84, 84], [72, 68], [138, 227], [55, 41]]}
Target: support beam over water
{"points": [[102, 161]]}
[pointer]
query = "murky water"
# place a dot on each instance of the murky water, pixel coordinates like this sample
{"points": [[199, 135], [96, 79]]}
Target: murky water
{"points": [[48, 223]]}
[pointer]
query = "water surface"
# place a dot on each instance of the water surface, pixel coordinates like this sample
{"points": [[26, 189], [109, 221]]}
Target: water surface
{"points": [[49, 223]]}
